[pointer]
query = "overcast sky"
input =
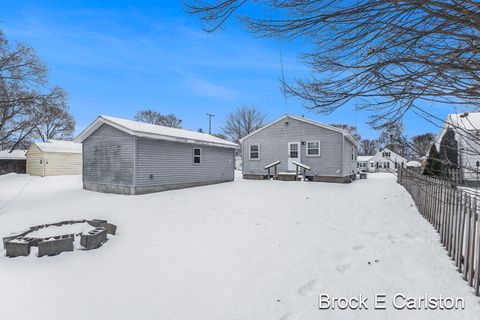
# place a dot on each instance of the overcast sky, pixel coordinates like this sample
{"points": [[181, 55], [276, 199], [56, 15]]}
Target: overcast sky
{"points": [[117, 57]]}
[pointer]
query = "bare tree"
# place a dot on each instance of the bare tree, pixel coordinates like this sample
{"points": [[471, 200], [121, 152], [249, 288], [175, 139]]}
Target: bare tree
{"points": [[350, 129], [54, 119], [26, 111], [422, 143], [243, 121], [155, 117], [368, 147], [392, 137], [387, 55], [170, 120], [21, 73]]}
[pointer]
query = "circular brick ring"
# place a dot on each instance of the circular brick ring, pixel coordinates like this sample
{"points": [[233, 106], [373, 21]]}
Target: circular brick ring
{"points": [[20, 244]]}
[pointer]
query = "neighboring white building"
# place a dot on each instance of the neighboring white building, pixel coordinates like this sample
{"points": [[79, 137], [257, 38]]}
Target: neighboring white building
{"points": [[365, 164], [54, 158], [467, 133], [386, 161]]}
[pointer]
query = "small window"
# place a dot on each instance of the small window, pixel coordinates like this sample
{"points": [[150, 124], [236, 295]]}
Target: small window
{"points": [[313, 148], [372, 164], [254, 152], [386, 154], [197, 155]]}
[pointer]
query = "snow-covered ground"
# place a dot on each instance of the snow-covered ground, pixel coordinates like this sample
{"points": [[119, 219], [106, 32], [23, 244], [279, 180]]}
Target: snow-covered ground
{"points": [[243, 250]]}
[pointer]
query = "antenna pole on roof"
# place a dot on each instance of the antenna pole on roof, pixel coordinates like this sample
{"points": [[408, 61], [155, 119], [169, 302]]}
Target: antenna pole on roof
{"points": [[210, 122]]}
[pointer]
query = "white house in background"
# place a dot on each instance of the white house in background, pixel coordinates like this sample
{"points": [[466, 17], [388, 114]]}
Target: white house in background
{"points": [[54, 158], [364, 164], [387, 161], [467, 133]]}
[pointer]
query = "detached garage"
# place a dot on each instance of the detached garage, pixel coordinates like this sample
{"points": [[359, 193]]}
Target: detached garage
{"points": [[130, 157], [54, 158], [12, 161]]}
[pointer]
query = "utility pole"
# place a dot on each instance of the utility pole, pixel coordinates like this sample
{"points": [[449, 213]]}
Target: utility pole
{"points": [[210, 122]]}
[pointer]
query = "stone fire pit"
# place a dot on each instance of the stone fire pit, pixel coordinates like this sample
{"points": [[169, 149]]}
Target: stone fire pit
{"points": [[20, 244]]}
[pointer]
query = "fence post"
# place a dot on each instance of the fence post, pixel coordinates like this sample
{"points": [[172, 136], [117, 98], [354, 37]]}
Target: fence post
{"points": [[472, 242], [468, 218], [461, 229], [477, 266]]}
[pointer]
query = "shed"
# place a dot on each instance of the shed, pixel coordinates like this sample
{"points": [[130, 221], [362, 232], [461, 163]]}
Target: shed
{"points": [[130, 157], [329, 153], [12, 161], [54, 158]]}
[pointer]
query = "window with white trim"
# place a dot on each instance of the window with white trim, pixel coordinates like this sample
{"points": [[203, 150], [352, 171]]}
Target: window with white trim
{"points": [[254, 152], [313, 148], [197, 156]]}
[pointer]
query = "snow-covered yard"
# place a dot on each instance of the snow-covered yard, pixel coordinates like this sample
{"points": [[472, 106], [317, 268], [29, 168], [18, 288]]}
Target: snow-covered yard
{"points": [[244, 250]]}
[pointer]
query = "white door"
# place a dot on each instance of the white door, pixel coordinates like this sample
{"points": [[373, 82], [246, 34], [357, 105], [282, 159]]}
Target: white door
{"points": [[293, 155]]}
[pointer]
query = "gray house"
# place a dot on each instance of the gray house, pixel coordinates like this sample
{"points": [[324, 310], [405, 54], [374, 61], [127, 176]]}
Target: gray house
{"points": [[130, 157], [330, 153]]}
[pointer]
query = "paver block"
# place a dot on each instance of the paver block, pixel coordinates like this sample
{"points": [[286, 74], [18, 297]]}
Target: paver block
{"points": [[94, 238], [110, 227], [96, 222], [8, 238], [19, 246], [35, 228], [55, 245]]}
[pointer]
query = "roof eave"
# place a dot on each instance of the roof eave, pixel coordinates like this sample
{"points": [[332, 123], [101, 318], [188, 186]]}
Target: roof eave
{"points": [[100, 120]]}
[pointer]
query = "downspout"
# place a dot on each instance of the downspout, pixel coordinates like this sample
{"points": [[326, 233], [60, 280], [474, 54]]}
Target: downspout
{"points": [[343, 154], [135, 165]]}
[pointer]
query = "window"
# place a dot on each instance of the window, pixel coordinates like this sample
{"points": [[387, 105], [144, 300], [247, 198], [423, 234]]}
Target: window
{"points": [[197, 155], [254, 152], [386, 154], [293, 150], [372, 164], [313, 148]]}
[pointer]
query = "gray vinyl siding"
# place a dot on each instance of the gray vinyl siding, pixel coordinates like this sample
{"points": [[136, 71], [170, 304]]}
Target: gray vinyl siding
{"points": [[349, 164], [108, 157], [162, 163], [274, 140]]}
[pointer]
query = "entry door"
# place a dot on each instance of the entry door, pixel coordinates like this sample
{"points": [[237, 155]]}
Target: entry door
{"points": [[293, 155]]}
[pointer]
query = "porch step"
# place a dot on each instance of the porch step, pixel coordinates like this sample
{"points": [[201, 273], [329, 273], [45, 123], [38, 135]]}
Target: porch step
{"points": [[290, 176]]}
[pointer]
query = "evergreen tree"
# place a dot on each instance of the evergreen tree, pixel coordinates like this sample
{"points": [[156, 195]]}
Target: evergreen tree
{"points": [[434, 165], [448, 152]]}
